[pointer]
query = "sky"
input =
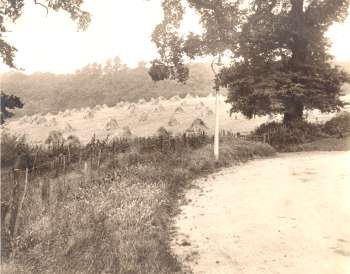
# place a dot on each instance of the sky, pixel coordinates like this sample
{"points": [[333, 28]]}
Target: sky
{"points": [[118, 28]]}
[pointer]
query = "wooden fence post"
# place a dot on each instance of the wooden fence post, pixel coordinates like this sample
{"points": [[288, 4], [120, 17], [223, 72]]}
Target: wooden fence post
{"points": [[91, 165], [35, 159], [68, 154], [161, 142], [45, 193], [79, 156], [64, 171], [14, 202], [85, 171], [57, 166], [21, 202], [99, 158]]}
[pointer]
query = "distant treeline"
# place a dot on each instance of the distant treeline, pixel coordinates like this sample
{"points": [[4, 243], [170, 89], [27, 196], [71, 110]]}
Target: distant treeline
{"points": [[97, 84]]}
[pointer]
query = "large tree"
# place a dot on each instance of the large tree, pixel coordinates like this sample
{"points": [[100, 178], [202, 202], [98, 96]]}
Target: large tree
{"points": [[11, 10], [280, 60]]}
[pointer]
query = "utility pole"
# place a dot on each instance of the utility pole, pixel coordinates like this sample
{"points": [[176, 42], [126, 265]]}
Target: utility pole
{"points": [[217, 93], [216, 134]]}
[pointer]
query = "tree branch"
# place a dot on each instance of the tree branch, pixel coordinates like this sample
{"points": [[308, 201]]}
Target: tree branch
{"points": [[40, 4]]}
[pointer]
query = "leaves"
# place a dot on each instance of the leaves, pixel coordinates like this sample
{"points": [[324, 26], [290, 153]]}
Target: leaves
{"points": [[8, 102], [7, 52], [285, 58], [280, 56], [220, 20]]}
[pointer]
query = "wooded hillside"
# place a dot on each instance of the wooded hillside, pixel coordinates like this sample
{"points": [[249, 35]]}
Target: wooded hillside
{"points": [[98, 84]]}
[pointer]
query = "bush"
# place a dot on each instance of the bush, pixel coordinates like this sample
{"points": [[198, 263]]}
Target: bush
{"points": [[11, 147], [292, 138], [281, 137], [340, 124]]}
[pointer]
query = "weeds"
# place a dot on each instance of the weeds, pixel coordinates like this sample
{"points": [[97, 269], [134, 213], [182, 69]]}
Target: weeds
{"points": [[120, 221], [297, 135], [340, 124]]}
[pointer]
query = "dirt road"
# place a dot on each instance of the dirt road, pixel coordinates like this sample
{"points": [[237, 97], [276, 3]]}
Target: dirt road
{"points": [[287, 215]]}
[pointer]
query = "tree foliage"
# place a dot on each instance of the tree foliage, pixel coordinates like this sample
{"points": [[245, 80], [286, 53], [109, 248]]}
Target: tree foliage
{"points": [[11, 10], [8, 102], [169, 44], [280, 60]]}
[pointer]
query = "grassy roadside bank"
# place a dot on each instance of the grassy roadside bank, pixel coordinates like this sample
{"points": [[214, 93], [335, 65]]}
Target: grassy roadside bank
{"points": [[334, 135], [324, 144], [119, 222]]}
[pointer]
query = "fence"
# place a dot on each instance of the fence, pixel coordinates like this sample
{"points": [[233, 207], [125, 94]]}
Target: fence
{"points": [[264, 138], [64, 157], [58, 161], [61, 158]]}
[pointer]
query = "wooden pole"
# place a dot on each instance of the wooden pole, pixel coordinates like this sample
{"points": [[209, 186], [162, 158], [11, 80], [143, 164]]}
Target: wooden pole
{"points": [[35, 159], [216, 135], [85, 171], [68, 153], [216, 131], [64, 171], [91, 168], [21, 201], [99, 158]]}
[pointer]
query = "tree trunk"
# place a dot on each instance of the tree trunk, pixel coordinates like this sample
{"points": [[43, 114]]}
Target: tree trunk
{"points": [[293, 113], [293, 107], [299, 45]]}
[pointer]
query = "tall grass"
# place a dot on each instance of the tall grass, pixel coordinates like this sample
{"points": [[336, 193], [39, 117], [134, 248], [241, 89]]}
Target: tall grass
{"points": [[303, 135], [120, 221]]}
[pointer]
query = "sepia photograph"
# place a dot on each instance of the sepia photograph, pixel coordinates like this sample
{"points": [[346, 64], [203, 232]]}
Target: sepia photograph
{"points": [[175, 136]]}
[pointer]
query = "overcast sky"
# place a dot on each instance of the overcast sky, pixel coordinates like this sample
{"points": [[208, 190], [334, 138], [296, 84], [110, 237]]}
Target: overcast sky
{"points": [[118, 28]]}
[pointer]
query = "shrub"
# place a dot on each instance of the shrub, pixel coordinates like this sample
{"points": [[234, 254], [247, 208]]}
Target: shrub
{"points": [[338, 125], [11, 146], [281, 137], [73, 141], [55, 139]]}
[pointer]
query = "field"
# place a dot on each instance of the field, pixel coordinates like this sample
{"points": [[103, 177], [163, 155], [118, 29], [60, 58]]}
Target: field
{"points": [[141, 119], [119, 209]]}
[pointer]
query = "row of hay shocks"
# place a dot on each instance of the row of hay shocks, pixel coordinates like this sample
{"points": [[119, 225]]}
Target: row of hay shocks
{"points": [[60, 158], [97, 150]]}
